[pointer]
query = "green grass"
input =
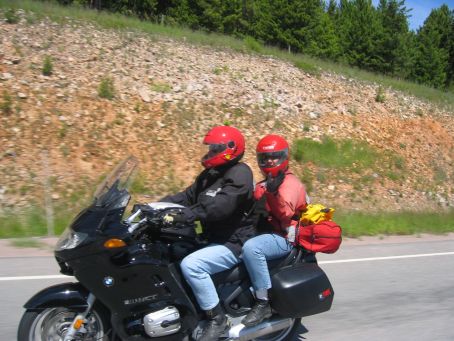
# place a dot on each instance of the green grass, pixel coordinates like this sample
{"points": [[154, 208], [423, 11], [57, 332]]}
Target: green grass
{"points": [[346, 157], [31, 222], [161, 87], [356, 224], [307, 67], [335, 154], [248, 45]]}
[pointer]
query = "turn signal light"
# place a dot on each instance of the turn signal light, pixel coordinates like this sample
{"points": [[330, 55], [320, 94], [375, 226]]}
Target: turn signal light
{"points": [[78, 324], [114, 243]]}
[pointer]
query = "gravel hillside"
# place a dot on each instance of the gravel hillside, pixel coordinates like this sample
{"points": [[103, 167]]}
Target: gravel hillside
{"points": [[57, 130]]}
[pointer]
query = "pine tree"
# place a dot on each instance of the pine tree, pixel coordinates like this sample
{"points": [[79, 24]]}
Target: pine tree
{"points": [[359, 31], [433, 48], [393, 46], [450, 72]]}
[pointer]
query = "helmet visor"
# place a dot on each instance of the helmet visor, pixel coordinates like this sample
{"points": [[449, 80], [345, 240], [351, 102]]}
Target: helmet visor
{"points": [[213, 150], [272, 159]]}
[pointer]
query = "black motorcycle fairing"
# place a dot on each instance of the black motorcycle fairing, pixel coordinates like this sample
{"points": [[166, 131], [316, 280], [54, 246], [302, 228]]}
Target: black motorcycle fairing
{"points": [[70, 295], [99, 224]]}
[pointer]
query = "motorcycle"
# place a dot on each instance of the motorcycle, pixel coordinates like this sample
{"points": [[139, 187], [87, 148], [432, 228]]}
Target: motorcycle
{"points": [[129, 285]]}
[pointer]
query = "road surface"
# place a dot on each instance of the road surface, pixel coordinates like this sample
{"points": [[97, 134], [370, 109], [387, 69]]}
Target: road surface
{"points": [[391, 289]]}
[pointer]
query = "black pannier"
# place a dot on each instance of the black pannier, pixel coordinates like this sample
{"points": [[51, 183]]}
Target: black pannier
{"points": [[301, 289]]}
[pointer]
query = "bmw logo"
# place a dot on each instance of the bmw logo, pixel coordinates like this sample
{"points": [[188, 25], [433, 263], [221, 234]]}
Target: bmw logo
{"points": [[108, 281]]}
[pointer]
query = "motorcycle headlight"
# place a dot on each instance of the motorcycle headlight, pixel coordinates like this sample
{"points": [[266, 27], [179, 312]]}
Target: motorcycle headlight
{"points": [[70, 239]]}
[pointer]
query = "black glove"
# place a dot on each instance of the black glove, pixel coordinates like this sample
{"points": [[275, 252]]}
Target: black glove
{"points": [[272, 184], [178, 216]]}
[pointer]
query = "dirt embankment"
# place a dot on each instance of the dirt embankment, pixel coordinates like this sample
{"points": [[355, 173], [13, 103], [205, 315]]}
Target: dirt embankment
{"points": [[56, 130]]}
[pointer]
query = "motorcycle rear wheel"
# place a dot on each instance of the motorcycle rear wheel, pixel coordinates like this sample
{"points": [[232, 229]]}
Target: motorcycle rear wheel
{"points": [[287, 334], [52, 324]]}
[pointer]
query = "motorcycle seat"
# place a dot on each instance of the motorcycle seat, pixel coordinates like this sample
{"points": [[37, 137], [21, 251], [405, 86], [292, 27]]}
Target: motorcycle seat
{"points": [[239, 272]]}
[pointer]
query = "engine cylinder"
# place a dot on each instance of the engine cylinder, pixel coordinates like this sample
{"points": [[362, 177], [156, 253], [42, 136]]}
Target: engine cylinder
{"points": [[162, 322]]}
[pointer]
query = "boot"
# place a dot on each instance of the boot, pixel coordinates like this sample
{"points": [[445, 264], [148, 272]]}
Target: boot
{"points": [[260, 311], [217, 324]]}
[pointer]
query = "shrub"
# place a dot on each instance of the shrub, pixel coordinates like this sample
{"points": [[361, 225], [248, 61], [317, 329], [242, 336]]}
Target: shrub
{"points": [[380, 96], [47, 66], [7, 103], [11, 16], [106, 88]]}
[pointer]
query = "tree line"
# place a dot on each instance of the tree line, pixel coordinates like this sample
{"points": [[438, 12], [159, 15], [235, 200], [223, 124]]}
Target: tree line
{"points": [[355, 32]]}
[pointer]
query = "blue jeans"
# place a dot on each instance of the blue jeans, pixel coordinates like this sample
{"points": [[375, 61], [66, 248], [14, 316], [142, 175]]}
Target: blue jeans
{"points": [[257, 251], [199, 265]]}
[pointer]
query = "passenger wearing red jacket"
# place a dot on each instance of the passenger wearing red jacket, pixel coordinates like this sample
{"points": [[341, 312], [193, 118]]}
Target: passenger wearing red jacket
{"points": [[285, 198]]}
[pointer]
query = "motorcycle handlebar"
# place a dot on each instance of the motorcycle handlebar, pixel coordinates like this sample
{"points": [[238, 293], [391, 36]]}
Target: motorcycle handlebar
{"points": [[134, 227]]}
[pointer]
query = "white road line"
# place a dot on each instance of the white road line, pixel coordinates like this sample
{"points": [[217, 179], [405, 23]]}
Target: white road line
{"points": [[23, 278], [385, 258]]}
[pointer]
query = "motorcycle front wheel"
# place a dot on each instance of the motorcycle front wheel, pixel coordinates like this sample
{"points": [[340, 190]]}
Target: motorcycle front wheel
{"points": [[52, 324], [288, 334]]}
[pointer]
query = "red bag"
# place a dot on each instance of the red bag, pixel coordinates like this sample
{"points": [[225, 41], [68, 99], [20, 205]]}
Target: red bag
{"points": [[326, 237]]}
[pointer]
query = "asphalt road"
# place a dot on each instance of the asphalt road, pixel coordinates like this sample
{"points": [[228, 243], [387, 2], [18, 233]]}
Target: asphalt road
{"points": [[400, 290]]}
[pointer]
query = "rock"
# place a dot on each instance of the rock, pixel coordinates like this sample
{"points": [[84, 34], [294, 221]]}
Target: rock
{"points": [[314, 115], [6, 75], [144, 93], [393, 193], [10, 153], [21, 95]]}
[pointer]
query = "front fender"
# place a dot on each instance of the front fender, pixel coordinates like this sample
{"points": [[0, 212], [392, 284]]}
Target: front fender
{"points": [[72, 295]]}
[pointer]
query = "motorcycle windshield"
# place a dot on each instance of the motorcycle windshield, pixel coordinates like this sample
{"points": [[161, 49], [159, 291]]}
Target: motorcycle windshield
{"points": [[113, 192], [110, 200]]}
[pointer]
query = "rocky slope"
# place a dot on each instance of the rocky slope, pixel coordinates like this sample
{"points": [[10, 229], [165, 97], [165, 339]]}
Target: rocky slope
{"points": [[56, 131]]}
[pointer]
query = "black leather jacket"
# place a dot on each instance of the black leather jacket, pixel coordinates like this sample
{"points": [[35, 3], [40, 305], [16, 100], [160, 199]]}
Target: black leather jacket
{"points": [[221, 199]]}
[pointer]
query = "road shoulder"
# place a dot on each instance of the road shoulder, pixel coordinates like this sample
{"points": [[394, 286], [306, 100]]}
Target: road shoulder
{"points": [[43, 246]]}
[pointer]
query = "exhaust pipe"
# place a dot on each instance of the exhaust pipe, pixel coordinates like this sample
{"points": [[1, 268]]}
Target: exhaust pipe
{"points": [[242, 333]]}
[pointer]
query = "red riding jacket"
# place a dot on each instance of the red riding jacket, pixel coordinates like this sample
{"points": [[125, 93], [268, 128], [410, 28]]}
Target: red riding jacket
{"points": [[286, 204]]}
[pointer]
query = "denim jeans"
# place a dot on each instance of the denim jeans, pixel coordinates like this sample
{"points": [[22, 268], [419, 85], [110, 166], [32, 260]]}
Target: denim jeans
{"points": [[257, 251], [199, 265]]}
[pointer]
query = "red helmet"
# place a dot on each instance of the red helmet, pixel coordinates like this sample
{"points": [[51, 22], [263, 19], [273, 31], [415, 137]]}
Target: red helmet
{"points": [[272, 154], [224, 145]]}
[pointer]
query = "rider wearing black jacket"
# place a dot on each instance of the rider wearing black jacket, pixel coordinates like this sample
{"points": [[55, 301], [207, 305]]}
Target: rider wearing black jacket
{"points": [[221, 198]]}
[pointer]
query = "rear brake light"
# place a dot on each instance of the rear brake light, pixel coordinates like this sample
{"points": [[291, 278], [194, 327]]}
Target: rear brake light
{"points": [[324, 294]]}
